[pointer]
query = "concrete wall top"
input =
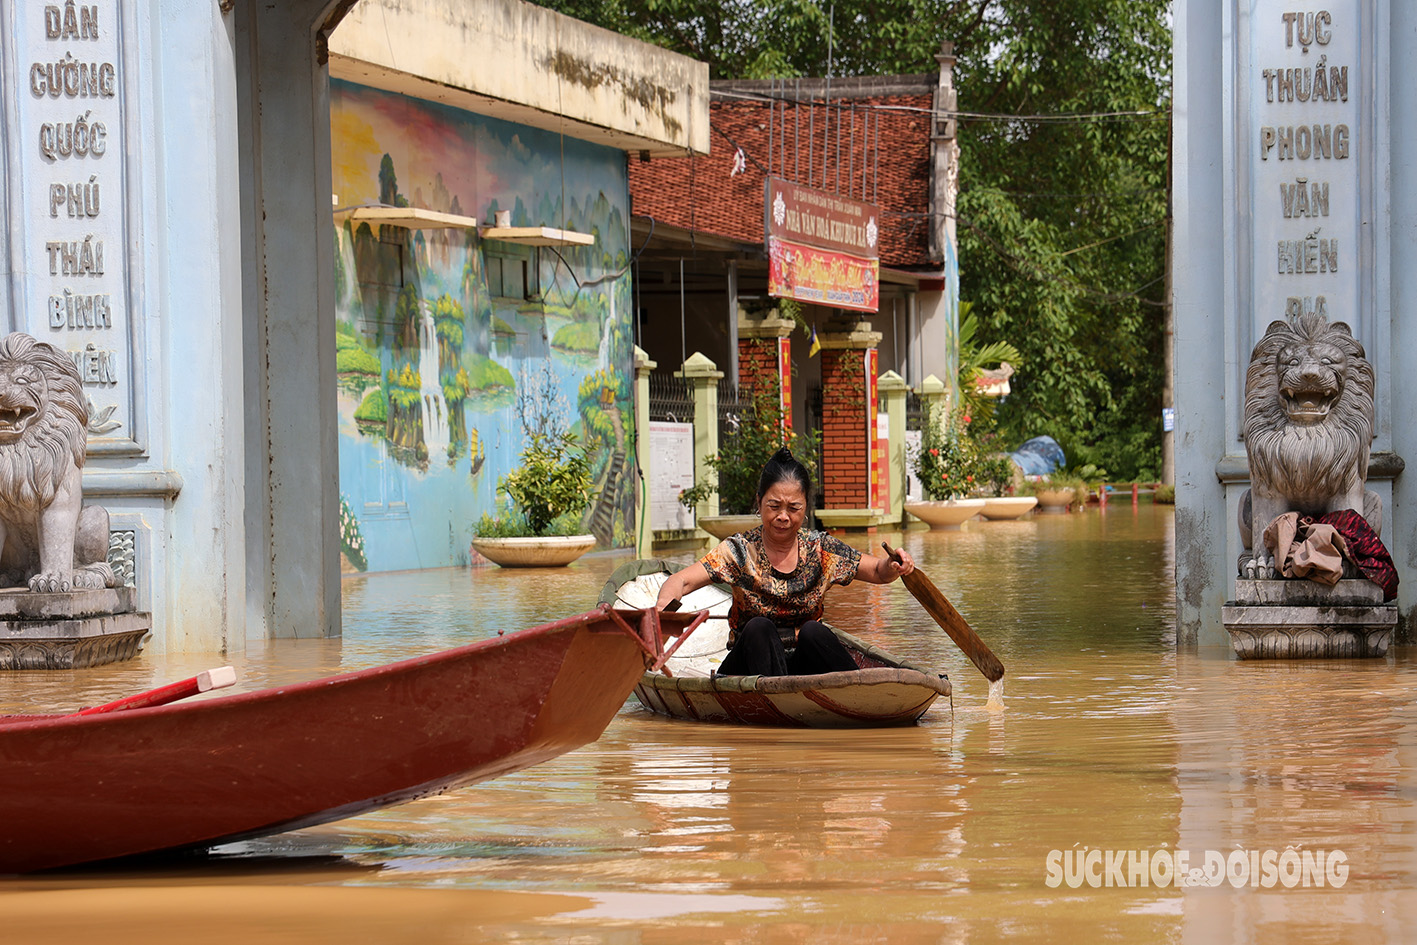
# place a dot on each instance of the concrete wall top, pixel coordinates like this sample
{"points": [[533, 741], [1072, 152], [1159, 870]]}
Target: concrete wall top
{"points": [[523, 63]]}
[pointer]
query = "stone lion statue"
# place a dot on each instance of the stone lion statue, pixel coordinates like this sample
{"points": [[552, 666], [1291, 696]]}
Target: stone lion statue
{"points": [[1308, 429], [48, 540]]}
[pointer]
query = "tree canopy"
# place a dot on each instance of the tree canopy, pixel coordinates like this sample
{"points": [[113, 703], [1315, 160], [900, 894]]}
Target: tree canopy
{"points": [[1063, 175]]}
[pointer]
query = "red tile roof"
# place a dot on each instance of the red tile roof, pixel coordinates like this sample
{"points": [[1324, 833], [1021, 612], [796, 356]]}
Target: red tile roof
{"points": [[702, 193]]}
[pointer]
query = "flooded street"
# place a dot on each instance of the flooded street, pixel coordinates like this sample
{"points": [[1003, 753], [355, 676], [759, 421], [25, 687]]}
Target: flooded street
{"points": [[669, 831]]}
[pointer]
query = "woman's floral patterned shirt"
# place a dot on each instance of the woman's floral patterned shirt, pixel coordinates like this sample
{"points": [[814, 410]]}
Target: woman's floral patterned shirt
{"points": [[789, 600]]}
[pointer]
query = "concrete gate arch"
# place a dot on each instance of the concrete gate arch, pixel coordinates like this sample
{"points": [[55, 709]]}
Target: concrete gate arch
{"points": [[287, 233]]}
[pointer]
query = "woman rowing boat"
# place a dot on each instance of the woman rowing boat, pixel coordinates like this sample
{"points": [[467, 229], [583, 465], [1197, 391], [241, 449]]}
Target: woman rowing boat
{"points": [[779, 575]]}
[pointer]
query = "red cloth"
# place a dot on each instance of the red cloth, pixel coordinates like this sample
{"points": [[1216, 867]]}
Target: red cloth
{"points": [[1365, 548]]}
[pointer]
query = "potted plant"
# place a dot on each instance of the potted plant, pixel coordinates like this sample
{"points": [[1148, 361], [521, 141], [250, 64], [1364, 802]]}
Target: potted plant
{"points": [[760, 433], [999, 475], [1089, 481], [947, 465], [549, 491], [1057, 492]]}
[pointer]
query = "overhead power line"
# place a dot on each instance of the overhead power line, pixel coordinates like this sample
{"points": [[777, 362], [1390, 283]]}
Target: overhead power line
{"points": [[1139, 192], [1056, 118]]}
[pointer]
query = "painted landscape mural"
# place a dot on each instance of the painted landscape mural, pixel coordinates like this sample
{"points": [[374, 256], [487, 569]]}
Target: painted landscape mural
{"points": [[452, 349]]}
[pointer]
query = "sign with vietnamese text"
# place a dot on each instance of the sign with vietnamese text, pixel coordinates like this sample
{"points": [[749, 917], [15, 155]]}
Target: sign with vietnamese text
{"points": [[822, 248], [672, 445], [1308, 135]]}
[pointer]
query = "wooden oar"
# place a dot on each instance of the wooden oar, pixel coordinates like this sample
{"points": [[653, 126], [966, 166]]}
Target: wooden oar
{"points": [[950, 621], [218, 678]]}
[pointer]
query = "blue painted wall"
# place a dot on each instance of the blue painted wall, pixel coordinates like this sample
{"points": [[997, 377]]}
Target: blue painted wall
{"points": [[452, 348]]}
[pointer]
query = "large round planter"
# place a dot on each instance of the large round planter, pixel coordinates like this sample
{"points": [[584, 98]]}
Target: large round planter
{"points": [[721, 526], [550, 552], [1054, 500], [998, 508], [946, 513]]}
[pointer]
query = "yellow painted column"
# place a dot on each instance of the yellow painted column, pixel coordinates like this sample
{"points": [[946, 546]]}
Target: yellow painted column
{"points": [[644, 537], [935, 401], [703, 375], [891, 388]]}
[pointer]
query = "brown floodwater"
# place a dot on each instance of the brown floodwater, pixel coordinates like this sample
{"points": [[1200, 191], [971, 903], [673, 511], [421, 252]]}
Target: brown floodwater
{"points": [[669, 831]]}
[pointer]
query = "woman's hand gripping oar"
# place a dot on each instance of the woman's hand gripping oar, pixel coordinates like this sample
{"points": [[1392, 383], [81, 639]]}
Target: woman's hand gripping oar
{"points": [[949, 619]]}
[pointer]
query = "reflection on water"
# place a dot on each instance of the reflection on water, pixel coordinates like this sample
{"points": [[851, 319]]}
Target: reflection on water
{"points": [[670, 831]]}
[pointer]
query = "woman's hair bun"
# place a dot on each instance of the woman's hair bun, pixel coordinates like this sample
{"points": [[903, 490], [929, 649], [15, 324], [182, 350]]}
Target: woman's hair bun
{"points": [[781, 468]]}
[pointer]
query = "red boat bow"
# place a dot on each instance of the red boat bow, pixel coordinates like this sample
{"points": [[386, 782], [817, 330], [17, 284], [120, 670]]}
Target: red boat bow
{"points": [[77, 788]]}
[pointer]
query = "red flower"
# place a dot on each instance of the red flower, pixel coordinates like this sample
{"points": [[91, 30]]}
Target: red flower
{"points": [[968, 478], [967, 418], [934, 452]]}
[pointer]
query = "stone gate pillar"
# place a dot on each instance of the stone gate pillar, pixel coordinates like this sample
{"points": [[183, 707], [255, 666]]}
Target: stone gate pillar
{"points": [[765, 357], [703, 375], [849, 444], [891, 388], [1292, 178], [935, 401], [644, 539]]}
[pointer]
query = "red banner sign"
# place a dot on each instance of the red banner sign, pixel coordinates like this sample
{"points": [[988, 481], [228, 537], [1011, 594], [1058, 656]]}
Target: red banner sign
{"points": [[822, 248]]}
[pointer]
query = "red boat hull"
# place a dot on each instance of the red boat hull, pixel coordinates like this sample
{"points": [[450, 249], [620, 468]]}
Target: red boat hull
{"points": [[75, 789]]}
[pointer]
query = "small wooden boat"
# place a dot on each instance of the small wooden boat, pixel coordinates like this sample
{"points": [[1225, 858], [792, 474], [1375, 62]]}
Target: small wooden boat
{"points": [[78, 788], [883, 691]]}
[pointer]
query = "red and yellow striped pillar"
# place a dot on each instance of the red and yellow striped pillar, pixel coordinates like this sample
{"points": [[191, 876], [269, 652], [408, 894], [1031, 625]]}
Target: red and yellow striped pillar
{"points": [[765, 358], [851, 485]]}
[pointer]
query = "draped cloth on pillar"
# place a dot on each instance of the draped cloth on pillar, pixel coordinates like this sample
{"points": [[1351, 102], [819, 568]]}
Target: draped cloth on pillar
{"points": [[1314, 548]]}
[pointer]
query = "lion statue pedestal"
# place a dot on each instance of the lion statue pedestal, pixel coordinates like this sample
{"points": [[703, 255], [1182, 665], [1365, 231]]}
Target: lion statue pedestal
{"points": [[1308, 427], [59, 606]]}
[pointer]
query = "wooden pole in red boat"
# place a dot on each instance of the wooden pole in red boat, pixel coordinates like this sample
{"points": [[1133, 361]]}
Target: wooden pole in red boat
{"points": [[218, 678]]}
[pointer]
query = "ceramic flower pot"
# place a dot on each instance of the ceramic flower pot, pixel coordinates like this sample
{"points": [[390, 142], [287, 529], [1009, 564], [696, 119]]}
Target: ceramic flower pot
{"points": [[721, 526], [945, 513], [1054, 500], [549, 552], [997, 508]]}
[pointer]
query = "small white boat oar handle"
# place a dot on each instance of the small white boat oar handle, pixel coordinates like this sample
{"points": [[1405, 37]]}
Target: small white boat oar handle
{"points": [[218, 678], [950, 620]]}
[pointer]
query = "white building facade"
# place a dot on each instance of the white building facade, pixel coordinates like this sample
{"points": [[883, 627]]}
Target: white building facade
{"points": [[165, 175]]}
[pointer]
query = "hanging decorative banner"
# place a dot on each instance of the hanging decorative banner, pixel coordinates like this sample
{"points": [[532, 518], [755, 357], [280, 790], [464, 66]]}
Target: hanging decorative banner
{"points": [[822, 248], [784, 373]]}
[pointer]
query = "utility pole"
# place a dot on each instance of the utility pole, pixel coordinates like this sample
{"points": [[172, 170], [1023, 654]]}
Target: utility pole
{"points": [[1168, 342]]}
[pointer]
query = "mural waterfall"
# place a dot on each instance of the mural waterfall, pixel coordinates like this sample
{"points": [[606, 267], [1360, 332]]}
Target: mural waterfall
{"points": [[452, 348]]}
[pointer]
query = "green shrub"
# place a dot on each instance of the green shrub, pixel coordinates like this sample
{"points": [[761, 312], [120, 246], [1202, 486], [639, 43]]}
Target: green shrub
{"points": [[947, 462], [1164, 495], [506, 524], [355, 360], [552, 482]]}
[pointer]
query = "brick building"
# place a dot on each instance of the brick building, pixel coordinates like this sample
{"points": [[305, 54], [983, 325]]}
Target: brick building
{"points": [[702, 280]]}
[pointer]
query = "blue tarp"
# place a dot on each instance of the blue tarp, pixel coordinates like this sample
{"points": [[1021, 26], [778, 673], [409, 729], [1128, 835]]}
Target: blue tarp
{"points": [[1039, 456]]}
